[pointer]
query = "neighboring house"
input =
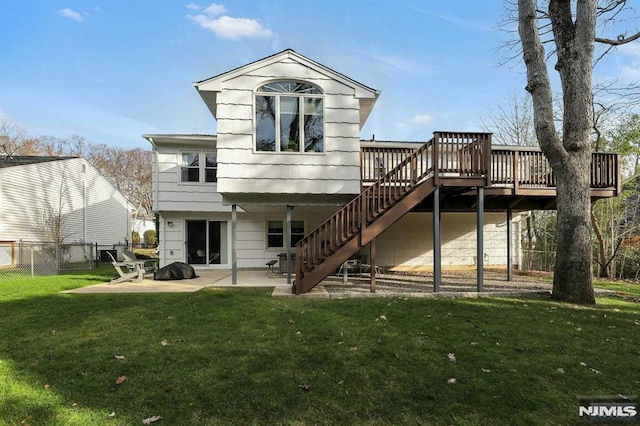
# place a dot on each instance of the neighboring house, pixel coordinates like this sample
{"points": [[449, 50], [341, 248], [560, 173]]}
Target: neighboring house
{"points": [[288, 151], [39, 195]]}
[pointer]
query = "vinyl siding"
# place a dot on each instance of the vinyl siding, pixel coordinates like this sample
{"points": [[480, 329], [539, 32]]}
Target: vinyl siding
{"points": [[241, 170], [251, 234], [108, 211], [94, 210], [173, 195], [408, 244]]}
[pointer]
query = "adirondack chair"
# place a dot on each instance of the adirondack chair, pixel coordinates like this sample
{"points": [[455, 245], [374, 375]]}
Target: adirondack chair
{"points": [[128, 270], [149, 265]]}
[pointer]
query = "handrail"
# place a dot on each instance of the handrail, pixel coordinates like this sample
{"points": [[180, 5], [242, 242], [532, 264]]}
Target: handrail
{"points": [[528, 164], [529, 168], [362, 210], [375, 161], [462, 154], [465, 154]]}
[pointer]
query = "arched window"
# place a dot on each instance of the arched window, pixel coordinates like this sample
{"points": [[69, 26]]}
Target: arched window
{"points": [[289, 117]]}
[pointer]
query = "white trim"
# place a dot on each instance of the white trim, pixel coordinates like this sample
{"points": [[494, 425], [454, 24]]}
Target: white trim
{"points": [[301, 114], [207, 220], [284, 224], [215, 83], [202, 159]]}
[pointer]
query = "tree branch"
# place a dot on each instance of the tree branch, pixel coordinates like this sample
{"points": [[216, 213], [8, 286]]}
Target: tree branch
{"points": [[622, 39]]}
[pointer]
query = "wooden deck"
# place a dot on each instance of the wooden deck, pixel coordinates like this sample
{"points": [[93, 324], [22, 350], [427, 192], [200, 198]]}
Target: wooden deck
{"points": [[453, 171], [533, 189]]}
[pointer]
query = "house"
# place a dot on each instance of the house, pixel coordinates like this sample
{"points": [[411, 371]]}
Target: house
{"points": [[65, 199], [288, 164]]}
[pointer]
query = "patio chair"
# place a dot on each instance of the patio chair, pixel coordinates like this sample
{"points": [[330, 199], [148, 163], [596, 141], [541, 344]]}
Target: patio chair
{"points": [[127, 270], [149, 265]]}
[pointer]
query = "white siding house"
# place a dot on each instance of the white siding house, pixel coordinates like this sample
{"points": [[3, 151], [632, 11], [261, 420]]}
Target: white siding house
{"points": [[34, 189], [287, 148], [332, 106]]}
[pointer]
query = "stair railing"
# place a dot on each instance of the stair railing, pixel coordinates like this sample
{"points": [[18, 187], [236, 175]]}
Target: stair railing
{"points": [[373, 201]]}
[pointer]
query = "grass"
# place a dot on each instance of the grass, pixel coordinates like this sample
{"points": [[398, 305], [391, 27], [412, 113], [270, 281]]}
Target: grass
{"points": [[20, 286], [219, 357]]}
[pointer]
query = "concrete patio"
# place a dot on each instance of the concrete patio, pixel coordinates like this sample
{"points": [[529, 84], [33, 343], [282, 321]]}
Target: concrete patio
{"points": [[388, 285], [206, 278]]}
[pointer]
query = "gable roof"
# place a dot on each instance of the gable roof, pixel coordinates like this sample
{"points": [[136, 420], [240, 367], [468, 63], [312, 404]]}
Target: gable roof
{"points": [[21, 160], [210, 87]]}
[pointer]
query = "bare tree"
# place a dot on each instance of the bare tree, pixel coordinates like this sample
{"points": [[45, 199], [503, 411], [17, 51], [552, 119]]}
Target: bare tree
{"points": [[511, 121], [55, 219], [571, 30], [16, 140], [129, 170]]}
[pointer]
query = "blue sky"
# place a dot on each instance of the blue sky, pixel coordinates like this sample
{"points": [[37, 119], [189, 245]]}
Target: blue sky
{"points": [[111, 70]]}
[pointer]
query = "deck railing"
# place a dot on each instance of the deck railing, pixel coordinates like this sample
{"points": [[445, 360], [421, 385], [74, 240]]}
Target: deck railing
{"points": [[362, 210], [455, 158], [464, 155]]}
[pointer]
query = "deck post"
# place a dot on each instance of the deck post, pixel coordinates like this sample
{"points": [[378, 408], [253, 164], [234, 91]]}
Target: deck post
{"points": [[509, 245], [516, 172], [437, 244], [436, 158], [234, 254], [372, 260], [287, 241], [480, 242]]}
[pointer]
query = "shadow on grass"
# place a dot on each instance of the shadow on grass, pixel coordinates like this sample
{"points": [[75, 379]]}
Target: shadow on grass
{"points": [[239, 356]]}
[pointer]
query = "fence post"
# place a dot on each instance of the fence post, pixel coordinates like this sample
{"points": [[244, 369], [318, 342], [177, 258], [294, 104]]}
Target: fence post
{"points": [[32, 265]]}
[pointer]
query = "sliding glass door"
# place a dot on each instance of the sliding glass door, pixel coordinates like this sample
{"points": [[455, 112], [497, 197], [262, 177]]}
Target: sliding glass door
{"points": [[207, 242]]}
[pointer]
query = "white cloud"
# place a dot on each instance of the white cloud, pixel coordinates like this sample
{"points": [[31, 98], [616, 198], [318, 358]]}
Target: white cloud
{"points": [[3, 115], [214, 9], [233, 28], [422, 119], [193, 6], [71, 14]]}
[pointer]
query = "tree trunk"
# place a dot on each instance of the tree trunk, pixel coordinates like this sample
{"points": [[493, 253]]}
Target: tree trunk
{"points": [[603, 265], [572, 278], [569, 155]]}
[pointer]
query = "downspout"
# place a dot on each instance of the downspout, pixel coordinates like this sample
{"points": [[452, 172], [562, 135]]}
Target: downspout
{"points": [[84, 202], [155, 173], [160, 237]]}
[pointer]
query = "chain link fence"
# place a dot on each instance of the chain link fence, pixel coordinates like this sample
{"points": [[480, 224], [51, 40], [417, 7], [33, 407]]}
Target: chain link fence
{"points": [[27, 258]]}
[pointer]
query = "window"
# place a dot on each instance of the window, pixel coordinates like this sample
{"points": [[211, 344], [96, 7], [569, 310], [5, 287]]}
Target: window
{"points": [[210, 167], [194, 170], [289, 117], [275, 233]]}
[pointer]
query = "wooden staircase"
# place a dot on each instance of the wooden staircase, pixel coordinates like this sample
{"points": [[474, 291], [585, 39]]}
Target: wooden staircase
{"points": [[448, 159]]}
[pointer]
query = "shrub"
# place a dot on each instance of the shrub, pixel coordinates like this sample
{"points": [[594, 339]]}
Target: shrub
{"points": [[150, 237], [135, 238]]}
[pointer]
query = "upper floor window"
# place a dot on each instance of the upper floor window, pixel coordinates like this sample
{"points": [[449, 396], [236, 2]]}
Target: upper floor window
{"points": [[199, 166], [289, 117]]}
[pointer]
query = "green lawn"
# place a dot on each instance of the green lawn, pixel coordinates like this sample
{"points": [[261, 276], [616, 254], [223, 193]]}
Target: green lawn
{"points": [[242, 357]]}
